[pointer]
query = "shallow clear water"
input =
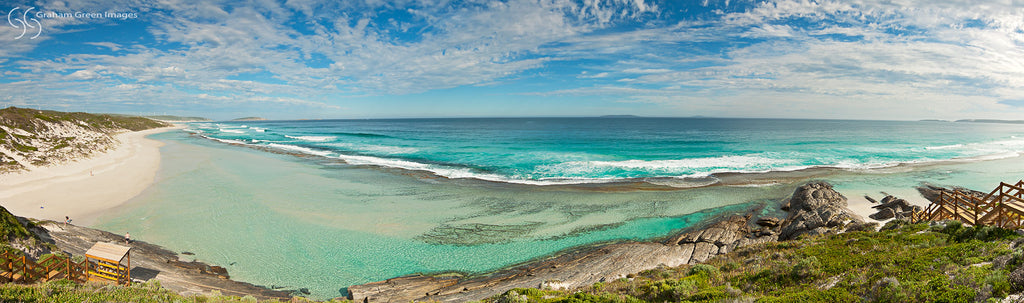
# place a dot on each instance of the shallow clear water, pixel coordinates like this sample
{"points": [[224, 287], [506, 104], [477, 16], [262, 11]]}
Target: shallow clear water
{"points": [[316, 222]]}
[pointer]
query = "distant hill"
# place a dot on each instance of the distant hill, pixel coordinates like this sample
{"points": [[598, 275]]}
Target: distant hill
{"points": [[170, 118], [31, 137], [619, 116], [249, 119], [992, 121]]}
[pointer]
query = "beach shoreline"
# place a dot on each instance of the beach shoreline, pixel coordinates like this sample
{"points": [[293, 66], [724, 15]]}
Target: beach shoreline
{"points": [[84, 189]]}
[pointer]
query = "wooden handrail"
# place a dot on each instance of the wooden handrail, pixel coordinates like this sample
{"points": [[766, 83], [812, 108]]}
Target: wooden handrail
{"points": [[1003, 206], [29, 271]]}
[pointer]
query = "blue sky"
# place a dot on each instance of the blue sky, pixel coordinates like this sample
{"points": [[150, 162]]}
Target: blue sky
{"points": [[865, 59]]}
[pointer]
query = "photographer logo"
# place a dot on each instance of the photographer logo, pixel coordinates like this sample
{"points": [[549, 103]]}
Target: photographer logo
{"points": [[24, 22]]}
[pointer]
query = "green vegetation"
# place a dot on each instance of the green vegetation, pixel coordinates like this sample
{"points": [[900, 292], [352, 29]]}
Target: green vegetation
{"points": [[24, 118], [10, 228], [67, 291], [901, 263], [40, 137]]}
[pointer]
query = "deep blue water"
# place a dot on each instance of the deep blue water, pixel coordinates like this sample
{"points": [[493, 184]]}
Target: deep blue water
{"points": [[594, 150]]}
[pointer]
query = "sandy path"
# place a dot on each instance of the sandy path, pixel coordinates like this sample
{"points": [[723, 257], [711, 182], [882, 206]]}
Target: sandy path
{"points": [[85, 188]]}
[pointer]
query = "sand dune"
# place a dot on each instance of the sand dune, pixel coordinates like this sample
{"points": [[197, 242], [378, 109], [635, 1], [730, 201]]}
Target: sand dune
{"points": [[84, 189]]}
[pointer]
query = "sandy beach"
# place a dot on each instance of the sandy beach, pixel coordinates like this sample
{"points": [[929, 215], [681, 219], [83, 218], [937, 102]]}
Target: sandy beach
{"points": [[85, 188]]}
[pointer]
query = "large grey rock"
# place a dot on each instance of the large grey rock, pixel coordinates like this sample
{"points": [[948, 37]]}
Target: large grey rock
{"points": [[687, 252], [815, 208], [817, 195], [702, 251]]}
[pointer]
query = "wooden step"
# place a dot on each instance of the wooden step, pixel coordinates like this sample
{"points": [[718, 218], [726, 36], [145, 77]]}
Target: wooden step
{"points": [[967, 216], [54, 275]]}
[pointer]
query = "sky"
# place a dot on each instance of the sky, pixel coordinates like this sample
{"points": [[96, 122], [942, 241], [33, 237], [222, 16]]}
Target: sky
{"points": [[862, 59]]}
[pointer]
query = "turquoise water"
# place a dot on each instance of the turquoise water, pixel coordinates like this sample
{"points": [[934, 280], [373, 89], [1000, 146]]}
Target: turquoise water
{"points": [[314, 220], [599, 150]]}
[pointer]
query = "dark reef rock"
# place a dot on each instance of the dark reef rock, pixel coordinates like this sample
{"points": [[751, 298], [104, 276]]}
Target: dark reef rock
{"points": [[769, 222], [884, 214], [893, 207]]}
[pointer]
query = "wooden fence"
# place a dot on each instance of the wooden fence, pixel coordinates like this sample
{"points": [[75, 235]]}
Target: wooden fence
{"points": [[16, 267], [1003, 207]]}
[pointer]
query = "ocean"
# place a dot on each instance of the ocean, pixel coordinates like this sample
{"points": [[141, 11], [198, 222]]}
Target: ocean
{"points": [[324, 204]]}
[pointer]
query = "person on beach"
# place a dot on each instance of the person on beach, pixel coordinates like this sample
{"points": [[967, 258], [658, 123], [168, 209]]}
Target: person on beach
{"points": [[67, 220], [127, 238]]}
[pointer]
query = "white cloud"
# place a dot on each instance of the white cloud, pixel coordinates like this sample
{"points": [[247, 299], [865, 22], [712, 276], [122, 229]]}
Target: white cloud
{"points": [[891, 55], [112, 46], [83, 75]]}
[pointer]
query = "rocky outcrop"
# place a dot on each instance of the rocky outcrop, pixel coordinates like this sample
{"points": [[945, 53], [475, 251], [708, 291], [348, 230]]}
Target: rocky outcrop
{"points": [[815, 208], [892, 207]]}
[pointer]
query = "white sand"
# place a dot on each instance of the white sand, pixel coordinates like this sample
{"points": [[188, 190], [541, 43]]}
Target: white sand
{"points": [[84, 189]]}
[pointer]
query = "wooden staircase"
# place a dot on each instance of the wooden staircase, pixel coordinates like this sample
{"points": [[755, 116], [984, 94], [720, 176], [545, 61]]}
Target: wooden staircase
{"points": [[16, 267], [1002, 207]]}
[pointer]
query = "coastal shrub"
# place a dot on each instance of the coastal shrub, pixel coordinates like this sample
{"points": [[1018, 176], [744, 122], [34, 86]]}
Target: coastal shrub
{"points": [[708, 271], [581, 297], [980, 233], [806, 268], [940, 290], [714, 294], [887, 290], [894, 224], [10, 227], [68, 291], [813, 295], [952, 227]]}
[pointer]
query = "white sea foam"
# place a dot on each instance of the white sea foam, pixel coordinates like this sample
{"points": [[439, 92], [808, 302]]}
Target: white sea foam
{"points": [[257, 129], [944, 147], [228, 141], [384, 149], [312, 138], [461, 173], [235, 131], [693, 172], [230, 126], [710, 162], [301, 149]]}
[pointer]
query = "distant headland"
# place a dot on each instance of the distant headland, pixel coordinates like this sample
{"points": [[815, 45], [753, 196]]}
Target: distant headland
{"points": [[250, 119]]}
